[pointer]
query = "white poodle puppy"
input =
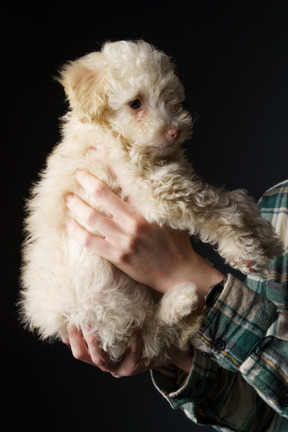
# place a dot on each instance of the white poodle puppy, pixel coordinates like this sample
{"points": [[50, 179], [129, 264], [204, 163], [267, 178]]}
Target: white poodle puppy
{"points": [[127, 98]]}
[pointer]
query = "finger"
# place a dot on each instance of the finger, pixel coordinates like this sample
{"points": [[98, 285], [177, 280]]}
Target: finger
{"points": [[98, 356], [65, 338], [99, 191], [88, 240], [78, 346], [130, 364], [93, 218]]}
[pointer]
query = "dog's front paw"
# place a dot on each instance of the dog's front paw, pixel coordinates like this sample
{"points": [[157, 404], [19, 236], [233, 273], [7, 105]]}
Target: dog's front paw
{"points": [[249, 266], [245, 266]]}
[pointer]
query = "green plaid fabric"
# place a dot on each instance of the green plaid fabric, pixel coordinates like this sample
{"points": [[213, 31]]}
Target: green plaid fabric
{"points": [[239, 376]]}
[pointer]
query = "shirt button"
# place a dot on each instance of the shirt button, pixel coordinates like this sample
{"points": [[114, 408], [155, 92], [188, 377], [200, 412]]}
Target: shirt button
{"points": [[219, 344]]}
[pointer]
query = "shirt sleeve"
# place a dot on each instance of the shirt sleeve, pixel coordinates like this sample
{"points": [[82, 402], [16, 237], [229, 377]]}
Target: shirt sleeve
{"points": [[246, 333], [231, 385], [239, 375]]}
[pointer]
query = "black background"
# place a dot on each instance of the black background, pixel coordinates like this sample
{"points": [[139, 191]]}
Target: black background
{"points": [[232, 58]]}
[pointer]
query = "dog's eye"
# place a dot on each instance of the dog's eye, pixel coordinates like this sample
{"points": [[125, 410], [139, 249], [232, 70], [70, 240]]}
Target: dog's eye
{"points": [[177, 107], [135, 104]]}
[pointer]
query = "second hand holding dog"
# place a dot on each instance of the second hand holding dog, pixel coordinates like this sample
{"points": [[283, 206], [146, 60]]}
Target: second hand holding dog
{"points": [[158, 257]]}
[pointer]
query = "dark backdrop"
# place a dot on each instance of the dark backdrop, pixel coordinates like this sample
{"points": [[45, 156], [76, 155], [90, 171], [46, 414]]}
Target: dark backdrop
{"points": [[232, 58]]}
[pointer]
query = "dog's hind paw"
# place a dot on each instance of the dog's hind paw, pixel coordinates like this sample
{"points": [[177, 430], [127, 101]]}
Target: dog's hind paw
{"points": [[178, 303]]}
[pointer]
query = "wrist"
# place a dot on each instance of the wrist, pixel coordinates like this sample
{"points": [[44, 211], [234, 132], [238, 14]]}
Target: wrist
{"points": [[184, 361], [194, 269], [210, 276]]}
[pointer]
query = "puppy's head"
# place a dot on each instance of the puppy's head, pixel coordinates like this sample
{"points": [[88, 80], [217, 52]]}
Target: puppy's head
{"points": [[134, 88]]}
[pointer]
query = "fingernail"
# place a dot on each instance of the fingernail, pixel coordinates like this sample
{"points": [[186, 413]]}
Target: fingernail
{"points": [[92, 151], [68, 223], [78, 172], [87, 328], [69, 197]]}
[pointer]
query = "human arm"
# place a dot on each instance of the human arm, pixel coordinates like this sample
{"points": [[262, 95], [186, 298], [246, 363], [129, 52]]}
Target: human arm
{"points": [[239, 370], [160, 258], [157, 257], [224, 358]]}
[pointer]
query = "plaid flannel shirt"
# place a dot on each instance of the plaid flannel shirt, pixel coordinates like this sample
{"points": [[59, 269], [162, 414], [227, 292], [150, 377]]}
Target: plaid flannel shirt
{"points": [[239, 377]]}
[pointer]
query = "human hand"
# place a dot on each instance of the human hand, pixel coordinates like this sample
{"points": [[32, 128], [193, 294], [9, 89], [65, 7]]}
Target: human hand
{"points": [[86, 346], [160, 258]]}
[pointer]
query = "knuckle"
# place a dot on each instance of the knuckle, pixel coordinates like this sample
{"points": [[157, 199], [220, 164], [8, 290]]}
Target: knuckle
{"points": [[96, 360], [137, 227], [100, 363], [100, 191], [72, 330], [88, 240], [130, 246], [78, 354], [92, 217], [131, 241], [124, 253], [90, 339], [129, 372], [140, 230]]}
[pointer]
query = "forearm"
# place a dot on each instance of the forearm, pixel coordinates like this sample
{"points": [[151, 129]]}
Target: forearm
{"points": [[228, 369], [215, 396], [236, 342]]}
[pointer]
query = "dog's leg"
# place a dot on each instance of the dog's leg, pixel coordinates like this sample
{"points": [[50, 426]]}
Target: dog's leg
{"points": [[244, 238], [233, 221], [175, 321], [230, 220]]}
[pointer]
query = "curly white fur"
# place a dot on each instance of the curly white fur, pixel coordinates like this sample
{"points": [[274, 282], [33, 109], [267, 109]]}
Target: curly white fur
{"points": [[62, 283]]}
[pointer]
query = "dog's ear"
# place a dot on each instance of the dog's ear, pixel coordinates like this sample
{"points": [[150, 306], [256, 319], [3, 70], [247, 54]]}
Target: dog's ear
{"points": [[85, 84]]}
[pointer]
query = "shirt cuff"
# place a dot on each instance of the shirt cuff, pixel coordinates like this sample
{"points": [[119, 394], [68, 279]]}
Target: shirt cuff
{"points": [[236, 324], [195, 387], [229, 334]]}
